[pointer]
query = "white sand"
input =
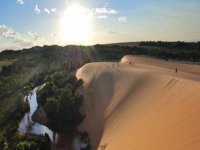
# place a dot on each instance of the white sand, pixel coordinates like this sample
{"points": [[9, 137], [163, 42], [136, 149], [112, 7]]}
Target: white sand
{"points": [[142, 107]]}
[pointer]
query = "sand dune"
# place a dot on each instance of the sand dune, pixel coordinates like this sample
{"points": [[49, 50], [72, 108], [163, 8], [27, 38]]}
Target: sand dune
{"points": [[142, 107]]}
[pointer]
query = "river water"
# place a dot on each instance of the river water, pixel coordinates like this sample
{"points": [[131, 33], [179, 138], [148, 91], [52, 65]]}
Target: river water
{"points": [[27, 125]]}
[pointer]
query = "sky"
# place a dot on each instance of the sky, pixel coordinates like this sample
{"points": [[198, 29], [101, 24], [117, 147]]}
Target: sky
{"points": [[27, 23]]}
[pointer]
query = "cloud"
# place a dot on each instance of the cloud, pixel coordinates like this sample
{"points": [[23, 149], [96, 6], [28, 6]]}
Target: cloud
{"points": [[20, 40], [53, 9], [109, 31], [9, 33], [105, 5], [122, 19], [47, 10], [21, 2], [105, 10], [37, 10], [102, 17], [33, 36]]}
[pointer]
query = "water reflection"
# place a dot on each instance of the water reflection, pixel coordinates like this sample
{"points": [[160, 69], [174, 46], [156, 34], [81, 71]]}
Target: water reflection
{"points": [[27, 125]]}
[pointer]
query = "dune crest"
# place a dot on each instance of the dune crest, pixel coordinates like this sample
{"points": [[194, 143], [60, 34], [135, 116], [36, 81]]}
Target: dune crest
{"points": [[145, 106]]}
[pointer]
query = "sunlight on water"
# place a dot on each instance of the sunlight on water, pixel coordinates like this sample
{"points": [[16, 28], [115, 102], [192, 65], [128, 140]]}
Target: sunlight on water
{"points": [[27, 125]]}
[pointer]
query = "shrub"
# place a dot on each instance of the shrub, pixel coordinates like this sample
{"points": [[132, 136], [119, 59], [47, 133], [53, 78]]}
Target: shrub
{"points": [[61, 101], [2, 142]]}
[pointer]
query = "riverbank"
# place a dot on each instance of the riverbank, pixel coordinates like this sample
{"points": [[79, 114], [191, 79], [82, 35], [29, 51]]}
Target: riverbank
{"points": [[57, 112], [40, 116]]}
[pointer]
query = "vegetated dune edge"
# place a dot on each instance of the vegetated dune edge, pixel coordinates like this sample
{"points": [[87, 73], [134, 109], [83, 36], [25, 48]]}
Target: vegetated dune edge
{"points": [[145, 106]]}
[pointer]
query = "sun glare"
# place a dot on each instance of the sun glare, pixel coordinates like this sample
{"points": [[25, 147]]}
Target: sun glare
{"points": [[76, 25]]}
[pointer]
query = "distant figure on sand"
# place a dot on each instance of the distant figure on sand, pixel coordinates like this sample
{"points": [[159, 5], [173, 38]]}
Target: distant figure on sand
{"points": [[176, 70], [131, 63], [113, 65], [103, 147]]}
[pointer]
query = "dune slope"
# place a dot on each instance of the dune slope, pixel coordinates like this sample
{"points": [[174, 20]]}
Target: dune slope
{"points": [[141, 107]]}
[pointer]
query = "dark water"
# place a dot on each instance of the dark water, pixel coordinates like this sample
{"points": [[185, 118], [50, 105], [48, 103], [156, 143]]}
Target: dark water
{"points": [[27, 125]]}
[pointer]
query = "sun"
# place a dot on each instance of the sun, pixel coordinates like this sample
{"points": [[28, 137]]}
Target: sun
{"points": [[75, 25]]}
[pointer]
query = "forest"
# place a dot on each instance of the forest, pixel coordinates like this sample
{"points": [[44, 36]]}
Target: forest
{"points": [[61, 100]]}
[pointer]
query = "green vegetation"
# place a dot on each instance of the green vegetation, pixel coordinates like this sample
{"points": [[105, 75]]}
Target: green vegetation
{"points": [[30, 68], [17, 79], [4, 63], [61, 101], [183, 51], [2, 142], [192, 46], [165, 50], [40, 143], [10, 117]]}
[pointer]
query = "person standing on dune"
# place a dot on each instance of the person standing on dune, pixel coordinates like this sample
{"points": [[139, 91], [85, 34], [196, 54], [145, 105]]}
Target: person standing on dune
{"points": [[176, 70]]}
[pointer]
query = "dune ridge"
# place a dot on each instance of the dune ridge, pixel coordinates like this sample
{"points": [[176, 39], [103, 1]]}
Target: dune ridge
{"points": [[146, 106]]}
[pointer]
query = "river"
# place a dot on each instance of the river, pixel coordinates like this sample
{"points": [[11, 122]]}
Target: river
{"points": [[27, 125]]}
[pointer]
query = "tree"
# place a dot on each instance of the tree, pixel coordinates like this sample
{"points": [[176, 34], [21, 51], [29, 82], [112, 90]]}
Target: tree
{"points": [[2, 142], [45, 142], [51, 107], [26, 145], [61, 101]]}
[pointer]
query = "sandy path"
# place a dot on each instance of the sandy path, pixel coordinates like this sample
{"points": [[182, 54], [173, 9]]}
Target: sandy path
{"points": [[145, 107]]}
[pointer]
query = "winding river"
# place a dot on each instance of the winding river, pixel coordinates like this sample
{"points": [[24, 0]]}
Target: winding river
{"points": [[27, 125]]}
